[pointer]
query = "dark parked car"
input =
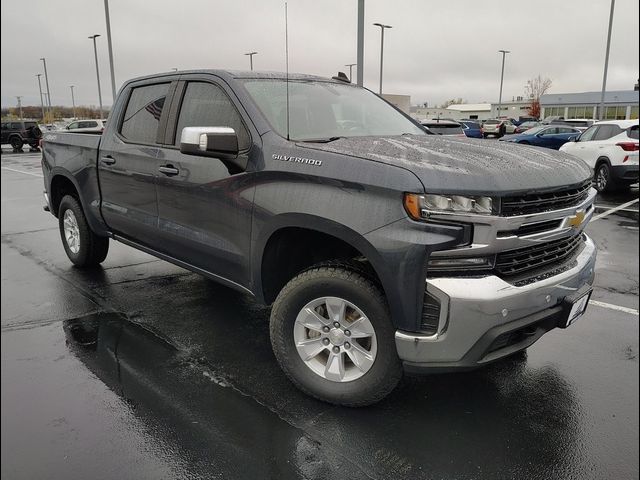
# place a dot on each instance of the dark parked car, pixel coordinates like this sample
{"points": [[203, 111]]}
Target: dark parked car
{"points": [[18, 133], [382, 248], [549, 136], [444, 127], [471, 129]]}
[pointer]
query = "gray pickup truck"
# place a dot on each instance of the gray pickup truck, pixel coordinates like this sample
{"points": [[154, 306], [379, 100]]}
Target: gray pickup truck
{"points": [[382, 248]]}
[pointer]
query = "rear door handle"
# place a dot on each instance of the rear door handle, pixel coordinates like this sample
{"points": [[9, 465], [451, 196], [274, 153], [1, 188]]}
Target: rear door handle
{"points": [[108, 160], [169, 170]]}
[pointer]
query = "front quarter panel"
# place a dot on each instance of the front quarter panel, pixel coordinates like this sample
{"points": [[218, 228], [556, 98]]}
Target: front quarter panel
{"points": [[356, 200]]}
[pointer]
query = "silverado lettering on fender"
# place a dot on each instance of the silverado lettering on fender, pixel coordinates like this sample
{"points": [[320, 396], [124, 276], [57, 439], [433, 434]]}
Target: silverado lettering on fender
{"points": [[405, 251]]}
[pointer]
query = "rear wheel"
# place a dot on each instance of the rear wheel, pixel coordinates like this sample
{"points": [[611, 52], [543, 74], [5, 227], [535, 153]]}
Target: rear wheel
{"points": [[16, 143], [602, 178], [83, 247], [332, 335]]}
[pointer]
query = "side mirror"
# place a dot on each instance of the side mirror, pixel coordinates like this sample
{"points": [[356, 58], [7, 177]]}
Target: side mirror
{"points": [[217, 142]]}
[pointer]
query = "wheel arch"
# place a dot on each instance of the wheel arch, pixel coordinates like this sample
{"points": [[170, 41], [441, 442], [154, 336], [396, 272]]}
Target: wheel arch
{"points": [[61, 182], [291, 237]]}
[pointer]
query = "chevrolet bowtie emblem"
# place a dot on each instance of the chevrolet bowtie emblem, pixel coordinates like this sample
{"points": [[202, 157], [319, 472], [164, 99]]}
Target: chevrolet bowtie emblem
{"points": [[576, 220]]}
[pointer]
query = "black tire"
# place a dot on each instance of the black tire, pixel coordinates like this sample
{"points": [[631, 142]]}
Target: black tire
{"points": [[602, 180], [356, 287], [92, 249], [16, 143]]}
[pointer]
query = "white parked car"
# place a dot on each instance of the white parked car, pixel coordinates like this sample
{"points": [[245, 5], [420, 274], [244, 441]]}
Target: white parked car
{"points": [[611, 149], [87, 126]]}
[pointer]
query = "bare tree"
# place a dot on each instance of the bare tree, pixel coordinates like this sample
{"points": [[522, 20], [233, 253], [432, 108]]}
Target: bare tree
{"points": [[535, 88]]}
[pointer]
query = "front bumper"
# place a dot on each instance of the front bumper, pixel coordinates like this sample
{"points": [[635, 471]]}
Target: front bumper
{"points": [[488, 318]]}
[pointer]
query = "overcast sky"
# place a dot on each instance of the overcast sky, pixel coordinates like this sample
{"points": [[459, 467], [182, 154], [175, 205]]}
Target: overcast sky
{"points": [[436, 49]]}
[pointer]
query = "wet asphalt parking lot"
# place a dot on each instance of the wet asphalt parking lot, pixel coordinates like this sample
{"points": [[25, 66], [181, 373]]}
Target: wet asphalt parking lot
{"points": [[142, 370]]}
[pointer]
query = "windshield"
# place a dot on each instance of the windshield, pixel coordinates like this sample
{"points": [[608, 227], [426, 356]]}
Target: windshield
{"points": [[444, 129], [491, 122], [323, 110], [534, 130]]}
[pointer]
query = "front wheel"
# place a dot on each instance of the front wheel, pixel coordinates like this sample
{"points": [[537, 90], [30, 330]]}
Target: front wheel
{"points": [[332, 335], [83, 247], [602, 178]]}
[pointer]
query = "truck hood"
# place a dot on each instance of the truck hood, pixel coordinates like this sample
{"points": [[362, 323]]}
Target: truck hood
{"points": [[446, 165]]}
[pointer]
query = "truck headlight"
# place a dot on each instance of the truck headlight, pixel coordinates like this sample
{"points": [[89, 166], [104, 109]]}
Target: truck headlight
{"points": [[419, 206]]}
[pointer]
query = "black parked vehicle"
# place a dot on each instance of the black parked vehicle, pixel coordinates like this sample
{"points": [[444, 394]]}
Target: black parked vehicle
{"points": [[19, 133], [380, 246]]}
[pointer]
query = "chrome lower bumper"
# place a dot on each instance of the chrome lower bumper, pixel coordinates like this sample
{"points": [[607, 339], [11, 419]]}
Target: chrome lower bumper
{"points": [[480, 309]]}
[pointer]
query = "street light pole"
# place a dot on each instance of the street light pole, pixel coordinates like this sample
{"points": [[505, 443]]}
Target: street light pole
{"points": [[251, 54], [360, 41], [382, 28], [41, 100], [46, 82], [20, 105], [504, 53], [95, 52], [350, 65], [113, 75], [606, 61], [73, 101]]}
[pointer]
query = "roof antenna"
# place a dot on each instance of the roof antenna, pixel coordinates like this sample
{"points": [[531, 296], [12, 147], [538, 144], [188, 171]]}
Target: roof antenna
{"points": [[286, 50]]}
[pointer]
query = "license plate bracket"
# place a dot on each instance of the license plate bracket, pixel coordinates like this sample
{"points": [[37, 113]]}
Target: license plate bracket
{"points": [[575, 305]]}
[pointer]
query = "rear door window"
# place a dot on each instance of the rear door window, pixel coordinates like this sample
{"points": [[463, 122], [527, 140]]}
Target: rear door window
{"points": [[207, 105], [16, 126], [605, 132], [142, 116]]}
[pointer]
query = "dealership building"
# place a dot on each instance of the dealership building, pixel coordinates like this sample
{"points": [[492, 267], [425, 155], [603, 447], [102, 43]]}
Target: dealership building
{"points": [[618, 105]]}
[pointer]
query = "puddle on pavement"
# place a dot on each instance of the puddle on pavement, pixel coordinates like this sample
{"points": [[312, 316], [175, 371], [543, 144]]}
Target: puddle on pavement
{"points": [[192, 407]]}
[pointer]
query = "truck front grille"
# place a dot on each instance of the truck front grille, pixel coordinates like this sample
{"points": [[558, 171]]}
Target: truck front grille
{"points": [[521, 260], [544, 202]]}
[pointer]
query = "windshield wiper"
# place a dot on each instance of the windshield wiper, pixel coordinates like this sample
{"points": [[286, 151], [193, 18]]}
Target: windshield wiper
{"points": [[322, 140]]}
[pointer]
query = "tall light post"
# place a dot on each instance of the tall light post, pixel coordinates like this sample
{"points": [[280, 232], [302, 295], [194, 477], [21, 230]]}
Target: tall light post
{"points": [[20, 105], [606, 61], [73, 101], [350, 65], [251, 54], [41, 100], [360, 42], [504, 54], [46, 82], [95, 52], [113, 75], [382, 28]]}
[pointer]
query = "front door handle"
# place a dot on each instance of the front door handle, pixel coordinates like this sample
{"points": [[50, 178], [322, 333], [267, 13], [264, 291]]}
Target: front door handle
{"points": [[169, 170], [108, 160]]}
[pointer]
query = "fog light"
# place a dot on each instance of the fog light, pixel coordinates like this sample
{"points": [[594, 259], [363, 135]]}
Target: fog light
{"points": [[440, 264]]}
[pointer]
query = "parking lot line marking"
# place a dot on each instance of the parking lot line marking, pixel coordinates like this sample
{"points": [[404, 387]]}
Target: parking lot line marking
{"points": [[613, 210], [610, 306], [22, 171]]}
